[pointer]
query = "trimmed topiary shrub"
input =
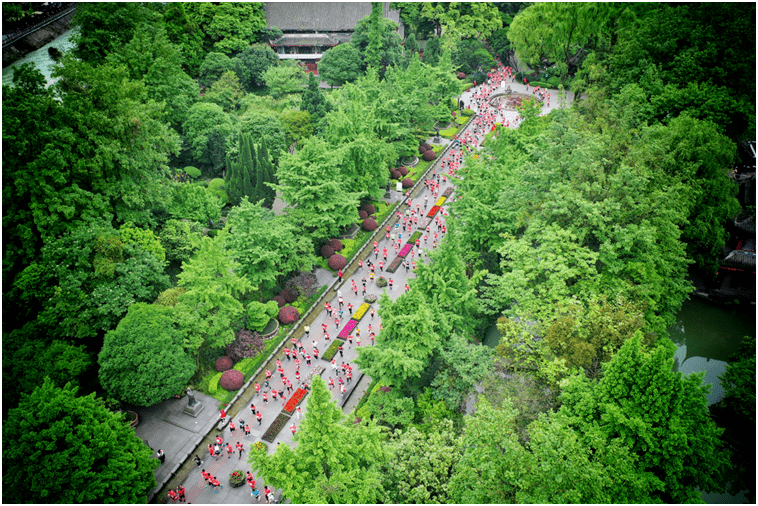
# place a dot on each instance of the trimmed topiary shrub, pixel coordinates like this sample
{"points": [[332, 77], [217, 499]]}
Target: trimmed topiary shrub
{"points": [[395, 174], [288, 315], [337, 261], [362, 214], [289, 295], [336, 244], [407, 183], [461, 75], [232, 380], [427, 146], [467, 112], [369, 208], [422, 149], [223, 364], [195, 173], [279, 300], [429, 155], [327, 251], [247, 344], [369, 224], [403, 171]]}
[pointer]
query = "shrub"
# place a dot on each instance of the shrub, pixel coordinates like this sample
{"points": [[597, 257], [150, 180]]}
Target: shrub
{"points": [[395, 174], [430, 155], [461, 75], [336, 244], [232, 380], [279, 300], [369, 208], [462, 120], [223, 363], [381, 282], [370, 298], [362, 214], [427, 146], [243, 365], [407, 183], [467, 112], [552, 82], [289, 295], [213, 383], [237, 478], [369, 224], [403, 171], [305, 283], [246, 344], [422, 149], [195, 173], [288, 315], [337, 261]]}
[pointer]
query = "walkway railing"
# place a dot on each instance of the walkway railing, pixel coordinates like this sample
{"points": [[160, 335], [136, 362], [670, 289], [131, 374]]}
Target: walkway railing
{"points": [[9, 39]]}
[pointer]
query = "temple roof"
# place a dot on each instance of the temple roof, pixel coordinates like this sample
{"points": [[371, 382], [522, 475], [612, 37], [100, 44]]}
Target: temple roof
{"points": [[321, 16], [307, 39]]}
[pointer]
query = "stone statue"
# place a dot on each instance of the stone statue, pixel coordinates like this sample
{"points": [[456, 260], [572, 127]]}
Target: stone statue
{"points": [[191, 398]]}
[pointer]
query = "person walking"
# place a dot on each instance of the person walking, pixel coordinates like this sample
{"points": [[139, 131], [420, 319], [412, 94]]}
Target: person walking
{"points": [[161, 455], [259, 417], [240, 448], [182, 497], [247, 430], [350, 305], [252, 408], [299, 412], [229, 450], [198, 461], [293, 428]]}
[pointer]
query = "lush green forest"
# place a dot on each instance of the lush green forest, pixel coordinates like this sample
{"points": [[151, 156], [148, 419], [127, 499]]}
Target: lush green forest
{"points": [[138, 235]]}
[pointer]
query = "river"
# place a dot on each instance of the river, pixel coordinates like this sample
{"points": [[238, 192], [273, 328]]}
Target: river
{"points": [[705, 334], [41, 58]]}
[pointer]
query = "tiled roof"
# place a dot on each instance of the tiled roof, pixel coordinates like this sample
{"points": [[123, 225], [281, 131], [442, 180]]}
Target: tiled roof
{"points": [[319, 16], [310, 39]]}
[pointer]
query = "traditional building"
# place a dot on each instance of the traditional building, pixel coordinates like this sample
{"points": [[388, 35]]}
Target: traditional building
{"points": [[312, 28]]}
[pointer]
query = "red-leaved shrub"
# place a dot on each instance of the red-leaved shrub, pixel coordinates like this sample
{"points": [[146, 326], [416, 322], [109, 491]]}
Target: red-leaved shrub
{"points": [[246, 344], [429, 155], [288, 295], [407, 183], [232, 380], [362, 214], [403, 171], [223, 364], [336, 244], [305, 283], [422, 149], [337, 262], [369, 208], [279, 300], [461, 75], [288, 314], [427, 146], [369, 224], [395, 174], [327, 251]]}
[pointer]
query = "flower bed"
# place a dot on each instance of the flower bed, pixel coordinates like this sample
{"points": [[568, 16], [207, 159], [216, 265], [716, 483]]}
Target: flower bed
{"points": [[293, 401], [381, 282], [316, 371], [237, 478], [274, 429], [349, 326], [332, 350], [370, 297], [406, 249], [448, 192], [393, 266], [412, 239], [425, 223], [440, 201], [260, 445], [361, 311], [433, 211]]}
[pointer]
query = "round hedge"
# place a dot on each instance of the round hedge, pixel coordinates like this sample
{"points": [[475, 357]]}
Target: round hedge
{"points": [[427, 146], [461, 75], [288, 314], [232, 380], [336, 244], [407, 183], [362, 214], [403, 171], [369, 224], [279, 300], [429, 155], [369, 208], [288, 295], [223, 363], [337, 262], [422, 149], [395, 174], [327, 251]]}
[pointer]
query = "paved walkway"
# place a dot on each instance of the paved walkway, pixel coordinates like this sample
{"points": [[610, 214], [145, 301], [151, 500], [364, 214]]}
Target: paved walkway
{"points": [[165, 426]]}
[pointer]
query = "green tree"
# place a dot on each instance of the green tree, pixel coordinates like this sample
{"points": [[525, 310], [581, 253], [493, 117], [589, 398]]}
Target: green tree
{"points": [[461, 20], [661, 415], [193, 202], [297, 125], [202, 120], [313, 100], [460, 365], [258, 314], [143, 360], [333, 462], [267, 247], [229, 27], [411, 45], [252, 63], [285, 78], [183, 31], [469, 55], [180, 239], [241, 173], [373, 50], [341, 64], [265, 177], [77, 452], [433, 51], [377, 39], [105, 27], [213, 67], [225, 92], [265, 126], [410, 15]]}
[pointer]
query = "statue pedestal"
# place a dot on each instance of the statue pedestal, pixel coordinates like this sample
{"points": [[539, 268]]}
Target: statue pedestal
{"points": [[194, 410]]}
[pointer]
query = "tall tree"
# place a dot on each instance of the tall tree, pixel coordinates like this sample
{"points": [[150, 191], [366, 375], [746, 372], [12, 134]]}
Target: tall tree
{"points": [[461, 20], [333, 462], [252, 63], [341, 64], [288, 77], [433, 51], [62, 448], [380, 35], [183, 31], [313, 100], [143, 360], [202, 120], [229, 27], [105, 27], [373, 50]]}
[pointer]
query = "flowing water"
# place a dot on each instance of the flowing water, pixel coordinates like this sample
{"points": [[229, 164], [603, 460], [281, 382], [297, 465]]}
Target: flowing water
{"points": [[41, 58]]}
